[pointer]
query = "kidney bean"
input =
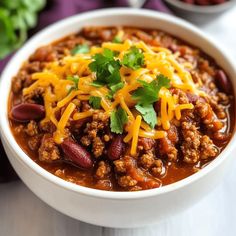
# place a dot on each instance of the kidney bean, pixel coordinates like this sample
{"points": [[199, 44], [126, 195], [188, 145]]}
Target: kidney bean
{"points": [[116, 148], [222, 81], [27, 111], [76, 154]]}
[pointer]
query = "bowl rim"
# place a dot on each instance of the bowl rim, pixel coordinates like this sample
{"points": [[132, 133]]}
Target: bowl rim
{"points": [[201, 9], [10, 141]]}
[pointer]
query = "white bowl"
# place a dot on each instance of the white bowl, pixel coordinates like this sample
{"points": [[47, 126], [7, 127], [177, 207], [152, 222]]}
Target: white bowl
{"points": [[113, 209]]}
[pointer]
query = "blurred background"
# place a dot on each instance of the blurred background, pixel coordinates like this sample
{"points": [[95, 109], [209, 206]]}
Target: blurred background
{"points": [[21, 19]]}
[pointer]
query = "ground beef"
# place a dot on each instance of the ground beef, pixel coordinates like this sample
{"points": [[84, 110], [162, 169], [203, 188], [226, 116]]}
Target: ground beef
{"points": [[34, 142], [167, 148], [98, 124], [202, 109], [20, 81], [19, 129], [208, 117], [183, 98], [98, 147], [191, 142], [147, 159], [47, 127], [103, 170], [157, 168], [48, 150], [207, 148], [85, 140], [120, 166], [126, 181], [146, 143], [32, 128]]}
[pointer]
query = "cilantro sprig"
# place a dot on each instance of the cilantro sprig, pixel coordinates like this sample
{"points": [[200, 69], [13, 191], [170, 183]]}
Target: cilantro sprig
{"points": [[117, 39], [147, 95], [114, 88], [118, 119], [95, 102], [74, 79], [134, 58], [149, 92], [106, 68], [82, 48]]}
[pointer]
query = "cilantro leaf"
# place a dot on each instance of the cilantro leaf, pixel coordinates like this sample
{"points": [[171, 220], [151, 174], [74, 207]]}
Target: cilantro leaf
{"points": [[148, 113], [118, 119], [75, 79], [133, 59], [97, 84], [95, 102], [116, 87], [83, 48], [106, 67], [148, 94], [113, 89], [117, 39]]}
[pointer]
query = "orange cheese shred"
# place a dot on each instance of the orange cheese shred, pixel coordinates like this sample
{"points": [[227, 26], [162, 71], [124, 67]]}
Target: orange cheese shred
{"points": [[59, 135], [135, 131]]}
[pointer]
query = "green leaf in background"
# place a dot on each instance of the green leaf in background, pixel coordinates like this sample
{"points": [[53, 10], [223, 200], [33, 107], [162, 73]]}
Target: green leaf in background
{"points": [[33, 6], [83, 48], [29, 18], [12, 5], [7, 33], [16, 18]]}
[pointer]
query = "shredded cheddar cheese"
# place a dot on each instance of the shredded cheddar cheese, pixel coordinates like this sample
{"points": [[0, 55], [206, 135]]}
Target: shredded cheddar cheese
{"points": [[135, 131], [62, 123], [60, 93]]}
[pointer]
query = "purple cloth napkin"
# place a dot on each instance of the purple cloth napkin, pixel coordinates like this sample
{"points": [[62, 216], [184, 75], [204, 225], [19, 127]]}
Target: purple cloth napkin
{"points": [[56, 10]]}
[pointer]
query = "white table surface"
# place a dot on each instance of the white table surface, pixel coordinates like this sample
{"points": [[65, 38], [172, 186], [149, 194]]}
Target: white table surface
{"points": [[22, 213]]}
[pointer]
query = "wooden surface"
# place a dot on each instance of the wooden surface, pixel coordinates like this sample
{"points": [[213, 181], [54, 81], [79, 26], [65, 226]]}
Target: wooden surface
{"points": [[22, 213]]}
